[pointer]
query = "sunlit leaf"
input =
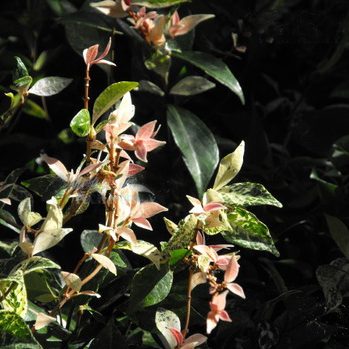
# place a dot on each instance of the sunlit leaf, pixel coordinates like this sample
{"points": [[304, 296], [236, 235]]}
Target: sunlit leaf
{"points": [[191, 85], [36, 263], [157, 3], [249, 232], [42, 320], [49, 86], [197, 144], [229, 167], [247, 194], [27, 217], [164, 320], [106, 262], [110, 96], [12, 324], [81, 123], [213, 67], [13, 294], [72, 280]]}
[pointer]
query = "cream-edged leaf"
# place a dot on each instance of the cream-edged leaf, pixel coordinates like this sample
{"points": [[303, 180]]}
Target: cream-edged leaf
{"points": [[27, 217], [72, 280], [42, 320], [49, 238], [164, 320], [229, 167], [105, 262]]}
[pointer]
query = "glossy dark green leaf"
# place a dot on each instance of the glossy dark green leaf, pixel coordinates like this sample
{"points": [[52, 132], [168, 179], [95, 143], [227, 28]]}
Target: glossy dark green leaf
{"points": [[21, 77], [339, 232], [110, 96], [81, 123], [49, 86], [197, 144], [249, 232], [247, 194], [158, 3], [214, 67], [191, 85], [177, 255], [150, 286], [45, 186]]}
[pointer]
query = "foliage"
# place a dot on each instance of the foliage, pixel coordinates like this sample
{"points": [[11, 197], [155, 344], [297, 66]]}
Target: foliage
{"points": [[77, 271]]}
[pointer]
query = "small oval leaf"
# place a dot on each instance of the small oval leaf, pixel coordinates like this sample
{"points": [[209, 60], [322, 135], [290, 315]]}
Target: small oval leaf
{"points": [[192, 85], [106, 262], [49, 86], [81, 123]]}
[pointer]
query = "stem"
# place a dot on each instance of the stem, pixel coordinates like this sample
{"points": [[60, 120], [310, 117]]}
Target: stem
{"points": [[6, 293], [87, 87], [187, 320]]}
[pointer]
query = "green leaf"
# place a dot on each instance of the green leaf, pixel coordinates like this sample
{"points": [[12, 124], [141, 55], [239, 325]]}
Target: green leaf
{"points": [[13, 294], [249, 232], [72, 280], [191, 85], [177, 255], [81, 123], [340, 233], [21, 77], [42, 286], [25, 81], [12, 324], [229, 167], [101, 125], [197, 144], [148, 86], [33, 109], [45, 186], [150, 286], [214, 67], [160, 63], [158, 3], [184, 234], [8, 220], [247, 194], [110, 96], [36, 263], [90, 239], [166, 319], [49, 86]]}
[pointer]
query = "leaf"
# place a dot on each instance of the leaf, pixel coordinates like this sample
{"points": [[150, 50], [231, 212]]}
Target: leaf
{"points": [[191, 85], [177, 255], [49, 238], [90, 239], [81, 123], [229, 167], [157, 3], [8, 220], [42, 320], [106, 262], [11, 323], [110, 96], [45, 186], [36, 263], [249, 232], [142, 248], [164, 320], [148, 86], [150, 286], [49, 86], [33, 109], [339, 232], [160, 63], [27, 217], [214, 67], [13, 294], [197, 144], [72, 280], [20, 70], [185, 233], [247, 194]]}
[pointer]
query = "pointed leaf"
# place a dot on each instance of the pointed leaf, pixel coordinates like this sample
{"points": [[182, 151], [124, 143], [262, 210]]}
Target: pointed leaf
{"points": [[247, 194], [12, 324], [106, 262], [27, 217], [110, 96], [150, 286], [192, 85], [164, 320], [36, 263], [229, 167], [249, 232], [42, 320], [33, 109], [49, 238], [72, 280], [339, 232], [214, 67], [197, 144], [49, 86], [81, 123], [157, 3]]}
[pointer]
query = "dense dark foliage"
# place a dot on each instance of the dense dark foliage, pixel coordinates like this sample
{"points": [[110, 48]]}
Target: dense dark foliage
{"points": [[291, 60]]}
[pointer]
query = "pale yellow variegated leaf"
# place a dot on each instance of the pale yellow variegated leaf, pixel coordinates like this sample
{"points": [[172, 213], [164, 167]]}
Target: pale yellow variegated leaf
{"points": [[229, 167], [42, 320], [54, 218], [170, 226], [204, 263], [105, 262], [72, 280], [212, 195], [27, 217], [198, 279], [49, 238]]}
